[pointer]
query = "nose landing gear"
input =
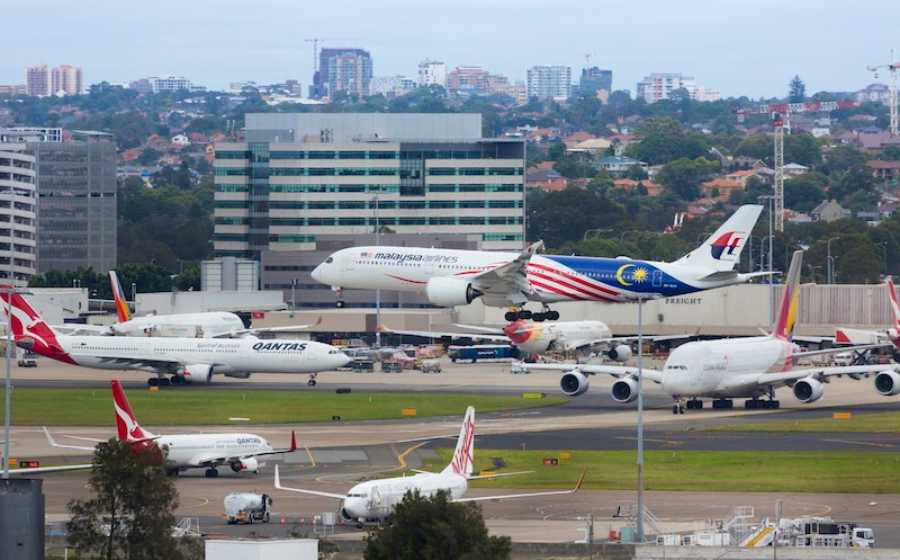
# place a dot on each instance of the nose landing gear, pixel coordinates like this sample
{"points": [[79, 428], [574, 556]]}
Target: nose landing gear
{"points": [[340, 294]]}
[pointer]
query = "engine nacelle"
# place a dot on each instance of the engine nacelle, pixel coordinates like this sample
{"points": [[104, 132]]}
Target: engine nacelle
{"points": [[574, 383], [449, 292], [249, 464], [624, 390], [808, 390], [887, 383], [197, 373], [621, 353]]}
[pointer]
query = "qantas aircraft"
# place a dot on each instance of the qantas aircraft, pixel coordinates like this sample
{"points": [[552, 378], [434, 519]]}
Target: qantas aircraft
{"points": [[733, 368], [449, 277], [192, 360], [844, 335], [240, 451], [373, 500]]}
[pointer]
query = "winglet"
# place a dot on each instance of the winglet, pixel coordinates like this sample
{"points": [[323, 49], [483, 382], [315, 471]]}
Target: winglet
{"points": [[50, 439], [293, 441], [580, 482], [533, 248]]}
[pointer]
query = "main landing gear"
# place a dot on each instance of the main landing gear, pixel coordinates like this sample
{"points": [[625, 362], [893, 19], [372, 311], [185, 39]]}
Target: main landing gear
{"points": [[312, 380], [756, 404], [340, 294], [546, 315], [212, 473]]}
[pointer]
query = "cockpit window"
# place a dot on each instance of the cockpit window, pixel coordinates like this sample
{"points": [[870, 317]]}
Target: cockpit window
{"points": [[329, 260], [335, 351]]}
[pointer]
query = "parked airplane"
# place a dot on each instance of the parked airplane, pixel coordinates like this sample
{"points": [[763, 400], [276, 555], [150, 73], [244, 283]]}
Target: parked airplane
{"points": [[374, 500], [732, 368], [240, 451], [211, 324], [843, 335], [192, 360], [530, 337], [449, 277]]}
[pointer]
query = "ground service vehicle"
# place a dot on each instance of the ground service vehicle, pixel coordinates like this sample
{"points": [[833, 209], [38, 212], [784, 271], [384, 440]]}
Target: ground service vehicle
{"points": [[247, 507]]}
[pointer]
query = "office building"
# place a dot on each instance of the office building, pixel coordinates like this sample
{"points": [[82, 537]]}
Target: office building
{"points": [[432, 73], [18, 134], [76, 188], [468, 78], [18, 218], [659, 86], [594, 81], [305, 184], [37, 81], [549, 82], [159, 84], [342, 70], [11, 90], [66, 80]]}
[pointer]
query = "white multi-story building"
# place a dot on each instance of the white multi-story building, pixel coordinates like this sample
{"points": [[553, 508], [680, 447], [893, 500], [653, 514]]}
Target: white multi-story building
{"points": [[550, 82], [659, 86], [169, 83], [432, 72], [18, 245], [877, 93]]}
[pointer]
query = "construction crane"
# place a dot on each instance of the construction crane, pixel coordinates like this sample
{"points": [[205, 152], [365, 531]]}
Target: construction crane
{"points": [[315, 43], [781, 120], [891, 67]]}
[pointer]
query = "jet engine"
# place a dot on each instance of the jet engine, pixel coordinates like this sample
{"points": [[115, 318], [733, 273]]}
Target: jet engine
{"points": [[197, 373], [808, 390], [621, 353], [449, 292], [624, 390], [574, 383], [887, 383], [248, 464]]}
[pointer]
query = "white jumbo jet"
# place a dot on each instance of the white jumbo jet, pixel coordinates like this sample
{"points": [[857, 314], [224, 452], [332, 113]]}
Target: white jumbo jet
{"points": [[192, 360], [374, 500], [733, 368], [844, 335], [176, 453], [450, 277]]}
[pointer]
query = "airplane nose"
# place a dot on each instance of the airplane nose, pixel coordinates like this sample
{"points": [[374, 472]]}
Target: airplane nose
{"points": [[341, 359], [318, 274]]}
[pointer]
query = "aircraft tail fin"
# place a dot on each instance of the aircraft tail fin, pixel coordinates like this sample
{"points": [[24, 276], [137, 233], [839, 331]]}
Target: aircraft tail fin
{"points": [[790, 300], [127, 426], [895, 303], [722, 250], [464, 454], [29, 330], [119, 297]]}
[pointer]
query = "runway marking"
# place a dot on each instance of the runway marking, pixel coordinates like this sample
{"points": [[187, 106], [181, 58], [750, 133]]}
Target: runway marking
{"points": [[671, 442], [869, 443], [402, 456], [309, 454]]}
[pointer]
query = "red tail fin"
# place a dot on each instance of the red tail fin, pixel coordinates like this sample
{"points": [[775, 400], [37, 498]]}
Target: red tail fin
{"points": [[29, 330], [895, 303], [126, 424]]}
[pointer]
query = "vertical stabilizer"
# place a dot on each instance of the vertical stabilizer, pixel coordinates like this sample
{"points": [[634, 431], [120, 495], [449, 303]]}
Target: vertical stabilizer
{"points": [[119, 298], [127, 426], [722, 250], [895, 304], [464, 454], [790, 300], [30, 331]]}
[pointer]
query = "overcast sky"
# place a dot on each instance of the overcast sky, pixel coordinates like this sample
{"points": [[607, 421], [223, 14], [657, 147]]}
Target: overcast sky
{"points": [[742, 47]]}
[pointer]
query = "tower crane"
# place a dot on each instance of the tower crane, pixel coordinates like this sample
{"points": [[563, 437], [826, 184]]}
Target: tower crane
{"points": [[893, 66], [781, 121]]}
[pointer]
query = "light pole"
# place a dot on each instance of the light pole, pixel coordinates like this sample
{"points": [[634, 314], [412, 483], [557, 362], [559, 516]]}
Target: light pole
{"points": [[771, 199], [293, 296], [10, 291], [640, 422], [829, 260], [377, 291], [884, 257]]}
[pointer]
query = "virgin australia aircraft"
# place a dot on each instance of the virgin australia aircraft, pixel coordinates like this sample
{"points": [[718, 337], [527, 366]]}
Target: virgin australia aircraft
{"points": [[450, 277]]}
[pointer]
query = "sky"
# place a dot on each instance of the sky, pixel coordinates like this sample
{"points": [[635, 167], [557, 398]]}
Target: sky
{"points": [[741, 47]]}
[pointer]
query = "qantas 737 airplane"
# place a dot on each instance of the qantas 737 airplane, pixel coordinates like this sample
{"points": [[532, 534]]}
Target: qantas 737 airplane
{"points": [[450, 277]]}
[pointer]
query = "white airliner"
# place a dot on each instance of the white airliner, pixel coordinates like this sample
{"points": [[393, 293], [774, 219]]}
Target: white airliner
{"points": [[733, 368], [843, 335], [192, 360], [529, 337], [240, 451], [449, 277], [374, 500]]}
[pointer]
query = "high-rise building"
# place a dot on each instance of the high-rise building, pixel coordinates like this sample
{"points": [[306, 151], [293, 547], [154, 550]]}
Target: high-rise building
{"points": [[468, 78], [432, 72], [342, 70], [37, 81], [550, 82], [66, 80], [594, 80], [306, 184], [18, 247], [659, 86], [76, 188]]}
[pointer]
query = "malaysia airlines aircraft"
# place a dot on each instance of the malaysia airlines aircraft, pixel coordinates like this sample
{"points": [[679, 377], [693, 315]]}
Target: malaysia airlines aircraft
{"points": [[733, 368], [374, 500], [240, 451], [844, 335], [449, 277], [192, 360]]}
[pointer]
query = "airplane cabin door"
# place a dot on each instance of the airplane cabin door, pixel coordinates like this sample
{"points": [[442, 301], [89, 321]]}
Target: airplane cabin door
{"points": [[657, 278]]}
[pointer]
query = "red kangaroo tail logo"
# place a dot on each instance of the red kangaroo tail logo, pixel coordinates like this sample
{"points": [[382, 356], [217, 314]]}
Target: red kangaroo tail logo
{"points": [[126, 424], [895, 303], [29, 329], [464, 455]]}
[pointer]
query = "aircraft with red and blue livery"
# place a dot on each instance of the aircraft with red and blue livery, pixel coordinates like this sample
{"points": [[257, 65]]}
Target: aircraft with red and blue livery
{"points": [[456, 277]]}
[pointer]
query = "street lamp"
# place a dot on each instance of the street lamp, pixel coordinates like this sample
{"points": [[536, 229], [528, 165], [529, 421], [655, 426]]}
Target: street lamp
{"points": [[771, 199], [640, 422], [829, 261], [377, 291], [884, 256], [10, 291]]}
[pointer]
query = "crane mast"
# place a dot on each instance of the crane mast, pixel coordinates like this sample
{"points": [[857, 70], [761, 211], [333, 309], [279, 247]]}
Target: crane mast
{"points": [[893, 66]]}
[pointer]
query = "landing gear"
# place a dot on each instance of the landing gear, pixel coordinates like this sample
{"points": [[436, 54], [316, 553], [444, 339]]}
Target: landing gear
{"points": [[723, 404], [678, 407], [695, 404], [756, 404], [212, 473], [159, 382], [312, 380], [172, 472], [516, 314], [546, 315], [340, 294], [339, 304]]}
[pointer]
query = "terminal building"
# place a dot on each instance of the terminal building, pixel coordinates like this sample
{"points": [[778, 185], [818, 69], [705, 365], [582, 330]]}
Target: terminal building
{"points": [[304, 185]]}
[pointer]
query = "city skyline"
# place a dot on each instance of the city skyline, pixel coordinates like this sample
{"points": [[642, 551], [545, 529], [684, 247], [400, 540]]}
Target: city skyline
{"points": [[740, 49]]}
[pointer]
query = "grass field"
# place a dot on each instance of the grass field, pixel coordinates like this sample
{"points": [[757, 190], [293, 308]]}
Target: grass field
{"points": [[881, 422], [711, 471], [87, 407]]}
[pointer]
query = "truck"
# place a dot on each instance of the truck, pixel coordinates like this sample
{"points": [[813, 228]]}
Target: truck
{"points": [[483, 353], [28, 359], [247, 507]]}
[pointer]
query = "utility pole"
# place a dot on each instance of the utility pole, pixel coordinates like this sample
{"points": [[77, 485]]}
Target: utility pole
{"points": [[779, 171], [378, 291], [893, 66], [640, 423]]}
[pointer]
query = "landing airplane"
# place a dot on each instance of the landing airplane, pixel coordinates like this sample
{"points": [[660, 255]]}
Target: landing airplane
{"points": [[191, 360], [733, 368], [240, 451], [210, 324], [373, 500], [449, 277], [843, 335]]}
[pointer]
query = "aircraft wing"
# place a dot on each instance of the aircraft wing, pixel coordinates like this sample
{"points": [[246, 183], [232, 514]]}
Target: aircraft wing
{"points": [[510, 278], [60, 468], [527, 495], [837, 350], [439, 334], [654, 375], [290, 449], [53, 443], [623, 340], [253, 331], [77, 329], [820, 373], [303, 491]]}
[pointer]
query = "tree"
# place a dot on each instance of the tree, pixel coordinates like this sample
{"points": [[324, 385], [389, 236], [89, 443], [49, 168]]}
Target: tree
{"points": [[434, 528], [562, 216], [796, 90], [683, 176], [130, 514], [891, 153], [805, 192], [149, 156], [663, 140], [636, 173]]}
